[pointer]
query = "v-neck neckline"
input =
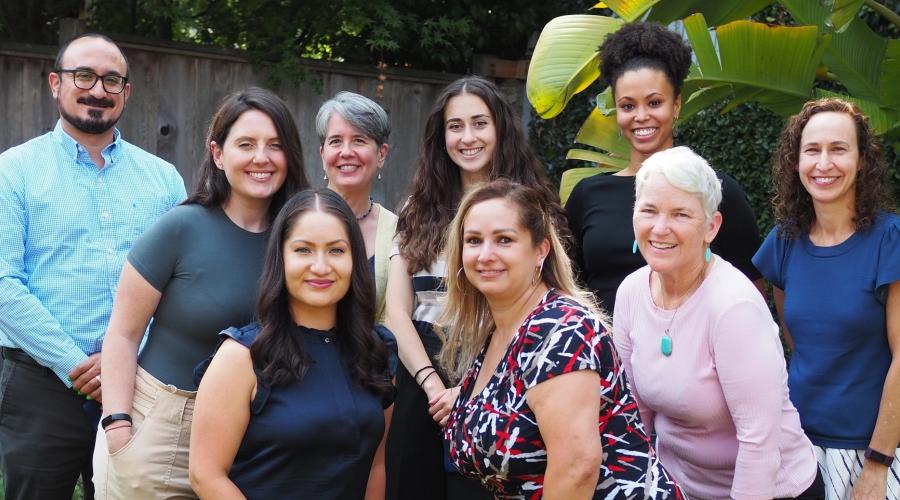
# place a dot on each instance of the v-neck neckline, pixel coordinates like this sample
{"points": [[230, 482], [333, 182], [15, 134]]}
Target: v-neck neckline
{"points": [[500, 369]]}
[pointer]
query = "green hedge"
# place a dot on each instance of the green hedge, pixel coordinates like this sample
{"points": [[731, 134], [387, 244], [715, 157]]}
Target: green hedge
{"points": [[739, 142]]}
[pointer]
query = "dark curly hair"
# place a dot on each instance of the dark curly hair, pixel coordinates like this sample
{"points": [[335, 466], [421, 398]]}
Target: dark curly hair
{"points": [[212, 187], [792, 203], [437, 185], [281, 357], [644, 45]]}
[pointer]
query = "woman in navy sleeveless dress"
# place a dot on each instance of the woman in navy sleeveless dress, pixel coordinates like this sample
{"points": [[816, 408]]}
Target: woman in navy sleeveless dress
{"points": [[292, 406]]}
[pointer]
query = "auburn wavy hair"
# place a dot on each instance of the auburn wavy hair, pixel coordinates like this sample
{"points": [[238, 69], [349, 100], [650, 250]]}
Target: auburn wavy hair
{"points": [[437, 185], [793, 205]]}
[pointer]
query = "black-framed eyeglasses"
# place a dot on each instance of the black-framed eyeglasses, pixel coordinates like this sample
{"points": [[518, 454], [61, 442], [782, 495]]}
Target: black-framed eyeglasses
{"points": [[86, 79]]}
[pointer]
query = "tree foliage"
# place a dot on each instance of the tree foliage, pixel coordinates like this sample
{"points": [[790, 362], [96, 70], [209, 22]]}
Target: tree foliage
{"points": [[424, 34]]}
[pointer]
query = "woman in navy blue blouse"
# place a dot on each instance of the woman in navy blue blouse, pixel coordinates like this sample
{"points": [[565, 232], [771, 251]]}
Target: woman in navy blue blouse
{"points": [[291, 406]]}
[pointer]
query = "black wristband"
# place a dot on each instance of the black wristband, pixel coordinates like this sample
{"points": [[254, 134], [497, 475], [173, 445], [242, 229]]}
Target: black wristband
{"points": [[877, 456], [114, 417]]}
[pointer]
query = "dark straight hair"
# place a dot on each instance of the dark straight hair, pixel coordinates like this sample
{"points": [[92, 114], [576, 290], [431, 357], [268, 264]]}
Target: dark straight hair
{"points": [[212, 187], [280, 356]]}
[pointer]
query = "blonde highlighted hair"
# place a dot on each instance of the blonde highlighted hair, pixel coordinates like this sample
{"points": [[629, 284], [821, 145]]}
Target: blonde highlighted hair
{"points": [[466, 320]]}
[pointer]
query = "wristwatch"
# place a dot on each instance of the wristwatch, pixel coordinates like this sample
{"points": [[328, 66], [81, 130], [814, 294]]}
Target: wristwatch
{"points": [[877, 456], [114, 417]]}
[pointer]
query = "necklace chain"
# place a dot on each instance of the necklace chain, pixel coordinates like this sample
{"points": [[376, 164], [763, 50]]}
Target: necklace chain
{"points": [[666, 342], [371, 205]]}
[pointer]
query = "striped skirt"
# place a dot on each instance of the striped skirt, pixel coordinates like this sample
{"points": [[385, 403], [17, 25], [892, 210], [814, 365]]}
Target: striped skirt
{"points": [[841, 469]]}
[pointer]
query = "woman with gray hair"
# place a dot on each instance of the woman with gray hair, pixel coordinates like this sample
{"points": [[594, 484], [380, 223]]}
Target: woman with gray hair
{"points": [[353, 131], [700, 348]]}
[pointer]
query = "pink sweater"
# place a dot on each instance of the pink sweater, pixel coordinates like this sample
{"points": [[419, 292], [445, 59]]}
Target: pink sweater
{"points": [[719, 403]]}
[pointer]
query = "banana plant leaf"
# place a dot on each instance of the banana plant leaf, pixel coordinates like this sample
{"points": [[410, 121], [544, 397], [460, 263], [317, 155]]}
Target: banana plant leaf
{"points": [[604, 161], [774, 58], [842, 13], [565, 60], [855, 55], [630, 10], [716, 12], [573, 176], [601, 131], [890, 75]]}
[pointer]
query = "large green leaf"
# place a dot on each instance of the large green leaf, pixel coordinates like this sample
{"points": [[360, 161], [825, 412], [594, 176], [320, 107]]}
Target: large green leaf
{"points": [[604, 161], [716, 12], [774, 58], [854, 55], [630, 10], [890, 75], [602, 131], [695, 101], [842, 12], [573, 176], [565, 60]]}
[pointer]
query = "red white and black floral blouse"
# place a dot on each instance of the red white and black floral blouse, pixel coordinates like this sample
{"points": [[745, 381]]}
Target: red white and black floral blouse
{"points": [[494, 436]]}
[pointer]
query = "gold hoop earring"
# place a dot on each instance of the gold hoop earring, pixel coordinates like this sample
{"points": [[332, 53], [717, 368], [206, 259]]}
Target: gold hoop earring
{"points": [[538, 271]]}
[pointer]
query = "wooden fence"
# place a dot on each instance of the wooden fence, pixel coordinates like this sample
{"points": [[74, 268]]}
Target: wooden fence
{"points": [[177, 87]]}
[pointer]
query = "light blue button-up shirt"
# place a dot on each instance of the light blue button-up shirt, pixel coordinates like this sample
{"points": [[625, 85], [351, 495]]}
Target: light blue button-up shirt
{"points": [[65, 228]]}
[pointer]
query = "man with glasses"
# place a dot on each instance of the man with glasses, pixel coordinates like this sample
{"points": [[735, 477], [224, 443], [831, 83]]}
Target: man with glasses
{"points": [[72, 202]]}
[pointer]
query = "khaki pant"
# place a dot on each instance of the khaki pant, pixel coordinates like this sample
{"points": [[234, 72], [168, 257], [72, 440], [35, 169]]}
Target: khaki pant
{"points": [[154, 463]]}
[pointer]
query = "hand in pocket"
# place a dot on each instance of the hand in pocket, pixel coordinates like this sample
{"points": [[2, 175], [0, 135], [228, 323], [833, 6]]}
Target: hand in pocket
{"points": [[117, 438]]}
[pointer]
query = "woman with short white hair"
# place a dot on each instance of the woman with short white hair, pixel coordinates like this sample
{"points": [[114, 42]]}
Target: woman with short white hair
{"points": [[700, 348]]}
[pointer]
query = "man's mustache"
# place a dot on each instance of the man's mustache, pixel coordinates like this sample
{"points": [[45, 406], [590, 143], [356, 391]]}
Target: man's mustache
{"points": [[93, 101]]}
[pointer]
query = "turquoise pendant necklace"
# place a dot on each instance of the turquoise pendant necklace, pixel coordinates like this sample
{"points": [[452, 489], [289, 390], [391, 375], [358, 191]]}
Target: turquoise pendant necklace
{"points": [[665, 343]]}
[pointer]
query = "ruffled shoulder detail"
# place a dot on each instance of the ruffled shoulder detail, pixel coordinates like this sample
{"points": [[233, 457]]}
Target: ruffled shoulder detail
{"points": [[888, 270]]}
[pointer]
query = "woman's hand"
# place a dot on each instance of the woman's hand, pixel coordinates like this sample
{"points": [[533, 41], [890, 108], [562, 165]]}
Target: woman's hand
{"points": [[439, 406], [117, 437], [872, 482]]}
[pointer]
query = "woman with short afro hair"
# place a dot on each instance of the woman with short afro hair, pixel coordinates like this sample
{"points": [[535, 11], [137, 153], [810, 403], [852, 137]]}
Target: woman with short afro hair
{"points": [[645, 64]]}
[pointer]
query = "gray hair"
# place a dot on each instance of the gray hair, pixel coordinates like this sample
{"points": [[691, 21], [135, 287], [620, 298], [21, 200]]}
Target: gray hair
{"points": [[362, 113], [684, 170]]}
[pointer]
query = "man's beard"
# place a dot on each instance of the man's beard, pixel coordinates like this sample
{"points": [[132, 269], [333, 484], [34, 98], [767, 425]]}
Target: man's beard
{"points": [[94, 124]]}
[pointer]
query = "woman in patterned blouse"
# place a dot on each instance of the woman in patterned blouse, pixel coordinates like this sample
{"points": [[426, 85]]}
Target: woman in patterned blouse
{"points": [[550, 414]]}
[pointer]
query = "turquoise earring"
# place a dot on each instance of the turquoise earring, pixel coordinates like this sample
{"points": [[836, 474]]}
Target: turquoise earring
{"points": [[707, 255], [634, 247]]}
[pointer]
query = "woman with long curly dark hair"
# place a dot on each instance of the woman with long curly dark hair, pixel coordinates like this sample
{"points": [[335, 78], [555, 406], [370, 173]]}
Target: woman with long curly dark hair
{"points": [[291, 406], [472, 134], [834, 262], [645, 64]]}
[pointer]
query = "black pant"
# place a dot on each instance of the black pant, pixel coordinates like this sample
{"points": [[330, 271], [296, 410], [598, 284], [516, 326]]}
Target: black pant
{"points": [[414, 453], [816, 490], [47, 432]]}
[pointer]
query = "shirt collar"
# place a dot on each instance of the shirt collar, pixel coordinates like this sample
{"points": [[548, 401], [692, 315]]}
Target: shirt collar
{"points": [[111, 153]]}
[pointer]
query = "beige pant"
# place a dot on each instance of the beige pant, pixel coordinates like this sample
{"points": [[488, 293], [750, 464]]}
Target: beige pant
{"points": [[154, 463]]}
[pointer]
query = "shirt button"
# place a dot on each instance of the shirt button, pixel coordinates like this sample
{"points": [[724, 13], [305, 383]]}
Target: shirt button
{"points": [[327, 340], [104, 215], [109, 251]]}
